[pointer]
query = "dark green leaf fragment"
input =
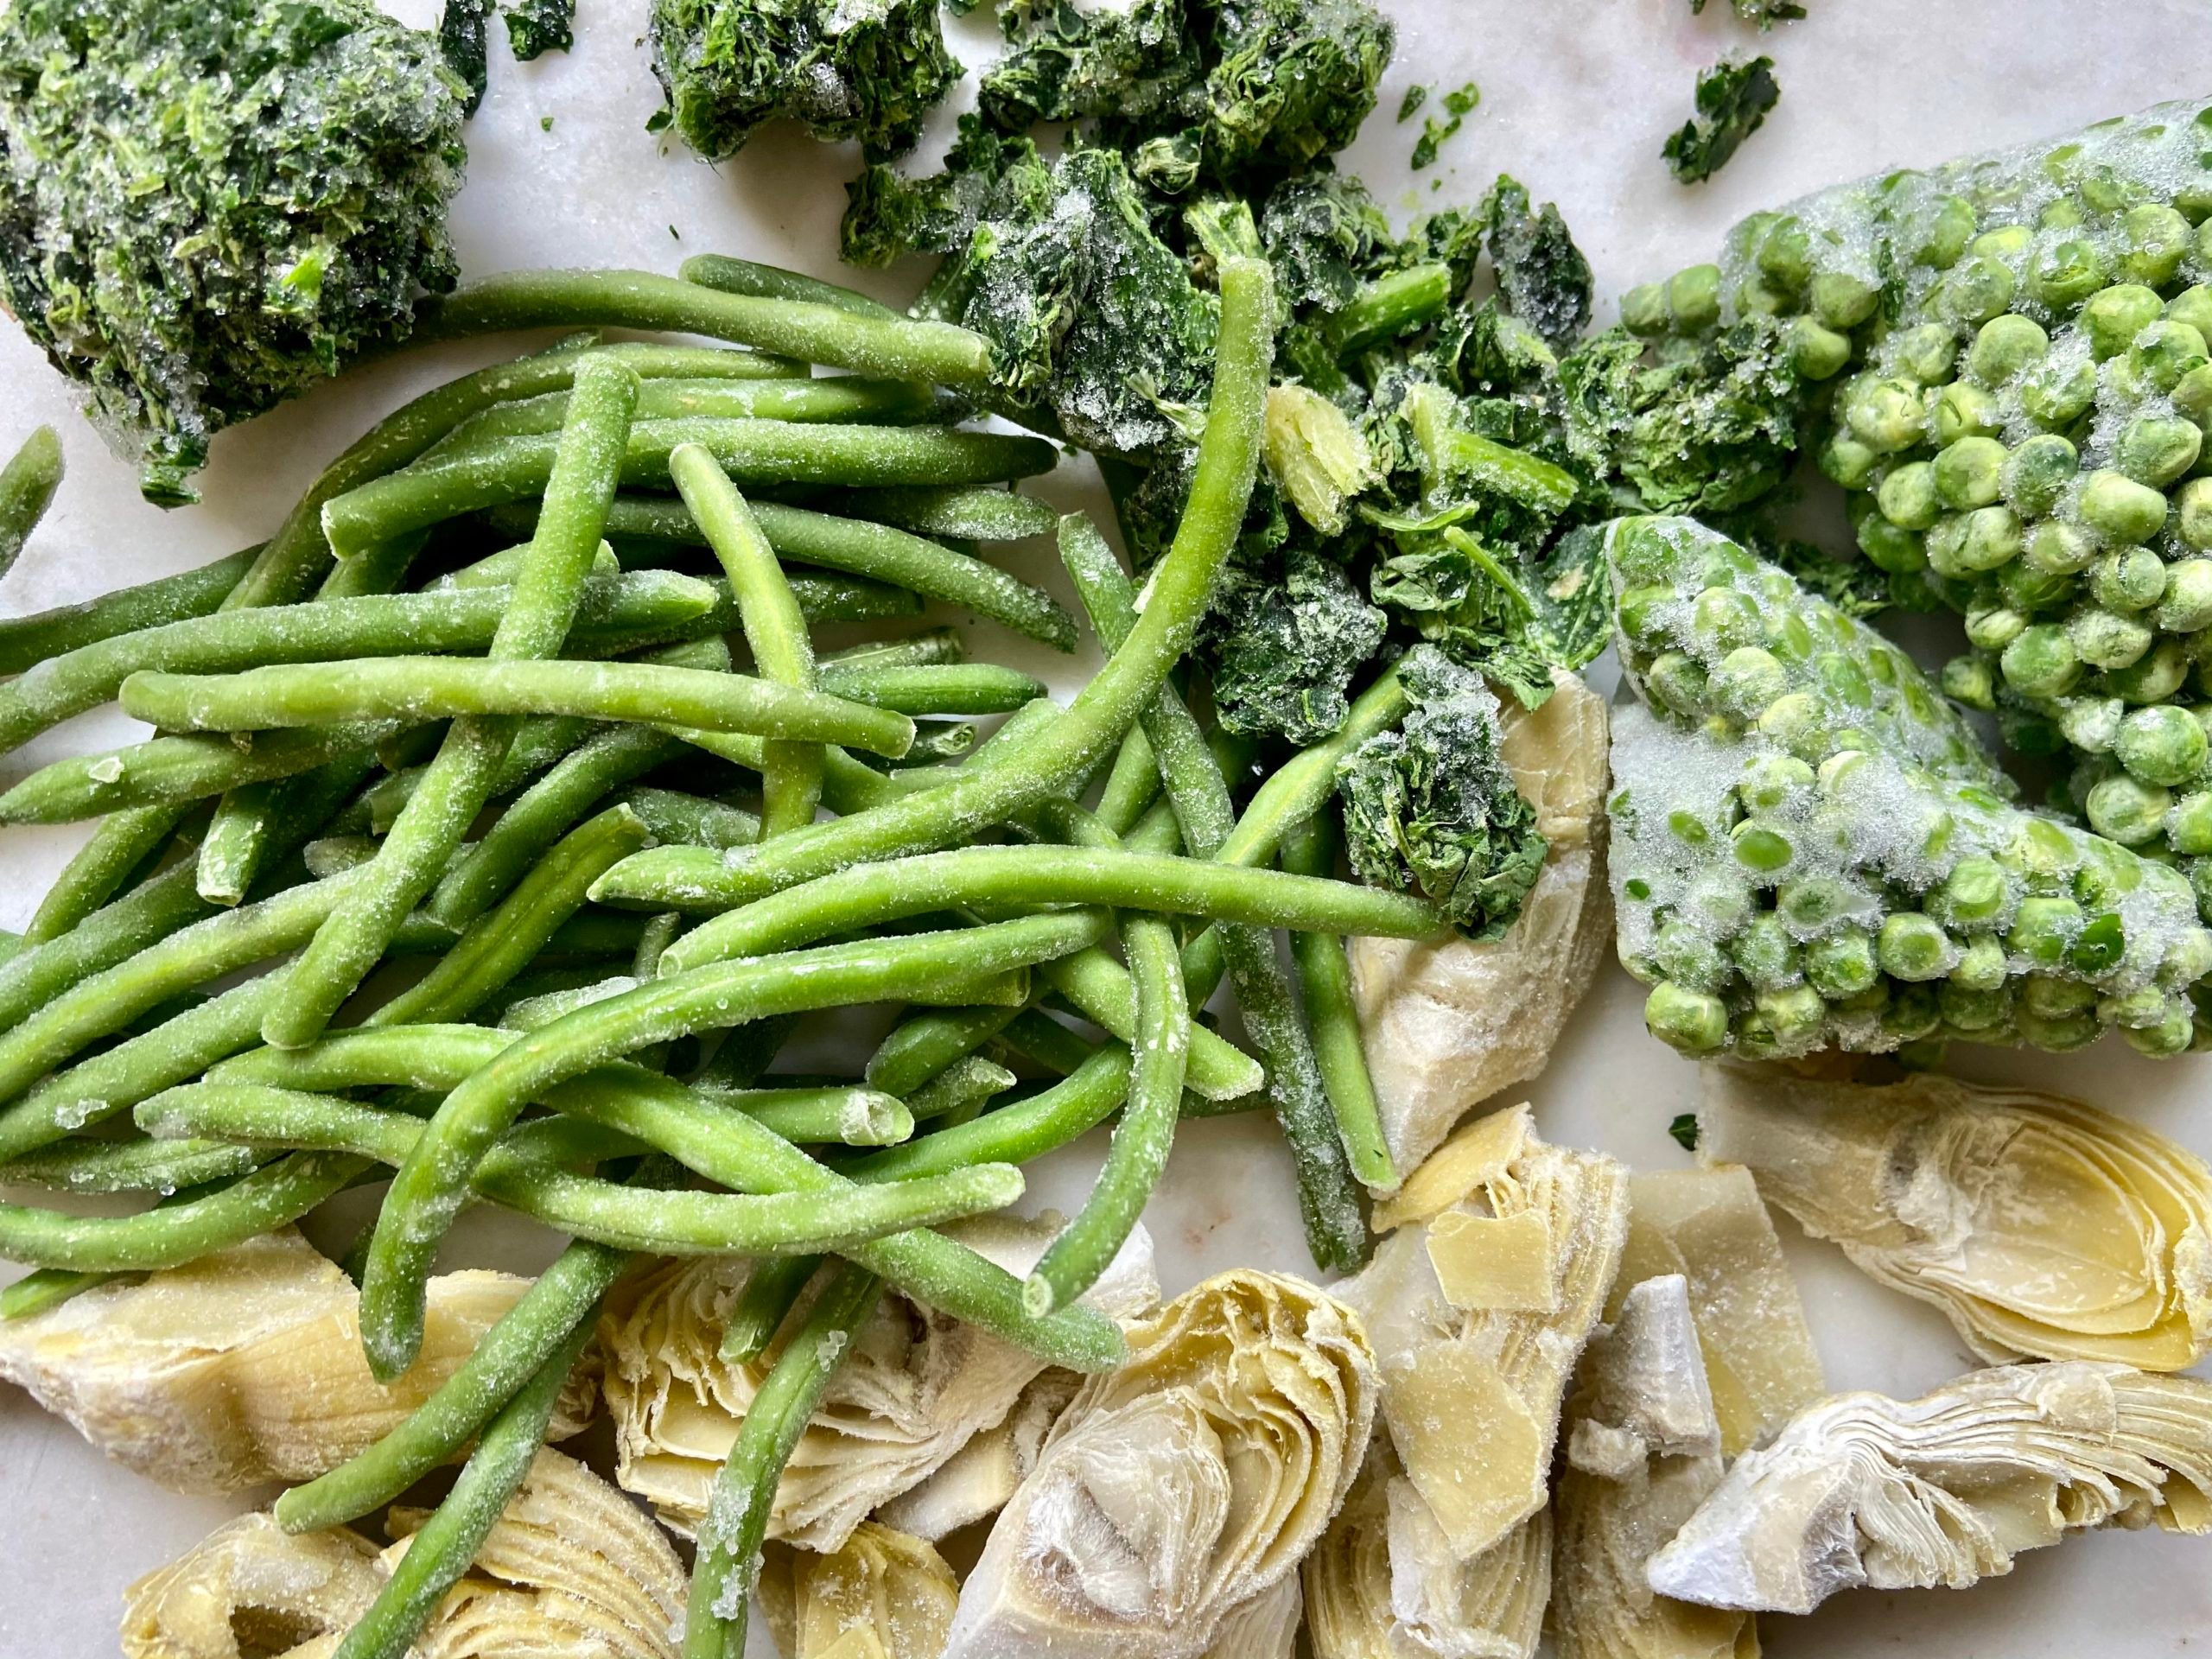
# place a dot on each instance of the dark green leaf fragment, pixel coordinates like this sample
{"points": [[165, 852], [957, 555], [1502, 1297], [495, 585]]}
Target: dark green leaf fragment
{"points": [[1733, 97], [1543, 276], [1285, 644], [1416, 95], [464, 35], [537, 27], [1683, 1131]]}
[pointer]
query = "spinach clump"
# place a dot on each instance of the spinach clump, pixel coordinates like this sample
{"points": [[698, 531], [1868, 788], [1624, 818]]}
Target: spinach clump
{"points": [[208, 205]]}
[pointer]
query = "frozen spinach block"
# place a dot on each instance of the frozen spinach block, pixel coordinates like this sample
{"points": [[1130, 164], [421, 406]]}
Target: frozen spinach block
{"points": [[2004, 360], [208, 205], [1810, 851]]}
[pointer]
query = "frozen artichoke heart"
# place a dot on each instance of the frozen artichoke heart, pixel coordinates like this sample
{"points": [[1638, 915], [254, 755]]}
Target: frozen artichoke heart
{"points": [[2043, 1228], [1184, 1485], [1449, 1022], [1861, 1490], [245, 1366], [884, 1595], [916, 1388]]}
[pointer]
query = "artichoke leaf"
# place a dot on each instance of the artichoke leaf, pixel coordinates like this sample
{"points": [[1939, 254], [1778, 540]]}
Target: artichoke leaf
{"points": [[250, 1585]]}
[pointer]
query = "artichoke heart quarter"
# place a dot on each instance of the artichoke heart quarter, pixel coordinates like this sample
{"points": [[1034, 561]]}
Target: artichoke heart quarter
{"points": [[884, 1595], [915, 1389], [1177, 1489], [1862, 1490], [1448, 1022], [2042, 1227], [245, 1366], [249, 1586]]}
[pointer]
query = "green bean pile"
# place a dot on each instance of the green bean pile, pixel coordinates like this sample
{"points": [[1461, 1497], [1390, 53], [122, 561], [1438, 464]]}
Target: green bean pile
{"points": [[538, 884]]}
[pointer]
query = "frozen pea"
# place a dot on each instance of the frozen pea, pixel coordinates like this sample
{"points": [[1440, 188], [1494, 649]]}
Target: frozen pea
{"points": [[1817, 352], [1889, 547], [1720, 901], [1907, 496], [2066, 273], [1756, 296], [1811, 903], [1765, 955], [1966, 472], [2003, 243], [2032, 591], [1643, 310], [2092, 724], [1769, 780], [1842, 964], [1786, 635], [1940, 232], [1925, 354], [2192, 395], [2161, 745], [1911, 947], [1966, 679], [1640, 611], [1747, 679], [2194, 307], [2188, 959], [1991, 627], [2106, 640], [1677, 682], [2114, 316], [1794, 1015], [1762, 847], [2153, 677], [1992, 538], [2164, 352], [1694, 1022], [2126, 809], [2025, 731], [1721, 619], [2047, 996], [1973, 1012], [2155, 449], [2003, 346], [2200, 883], [1847, 461], [2156, 240], [2145, 1006], [1842, 674], [2042, 927], [1912, 1011], [2058, 549], [1982, 965], [2128, 579], [2057, 393], [2098, 948], [2193, 517], [1694, 297], [1977, 289], [2188, 824], [1965, 410], [2058, 1036], [2171, 1036], [2120, 509], [2036, 474], [1793, 719], [1842, 301], [1885, 414], [1690, 958], [1973, 895]]}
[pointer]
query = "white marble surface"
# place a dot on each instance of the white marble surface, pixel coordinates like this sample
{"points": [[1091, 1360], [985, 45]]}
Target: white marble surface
{"points": [[1576, 96]]}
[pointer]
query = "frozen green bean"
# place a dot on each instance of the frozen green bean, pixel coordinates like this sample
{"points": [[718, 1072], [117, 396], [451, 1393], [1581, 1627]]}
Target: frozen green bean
{"points": [[770, 1292], [27, 486], [935, 689], [175, 771], [922, 1046], [734, 276], [1325, 980], [974, 515], [1096, 1084], [160, 1166], [837, 1114], [123, 842], [674, 816], [269, 1198], [960, 1089], [844, 398], [26, 641]]}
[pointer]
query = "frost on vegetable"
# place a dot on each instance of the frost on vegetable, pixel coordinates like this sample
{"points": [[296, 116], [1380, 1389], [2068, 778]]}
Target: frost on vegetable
{"points": [[916, 1387], [2042, 1227], [1265, 1627], [974, 1483], [882, 1595], [1732, 100], [206, 206], [1447, 1023], [1861, 1490], [1811, 851], [1177, 1489], [865, 69], [245, 1366], [1286, 643], [1644, 1454], [251, 1586]]}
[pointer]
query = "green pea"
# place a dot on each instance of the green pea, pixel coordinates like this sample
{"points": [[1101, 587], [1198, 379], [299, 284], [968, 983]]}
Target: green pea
{"points": [[1973, 895], [1990, 627], [2193, 306], [1912, 948], [2120, 509], [1795, 1015], [1817, 352], [1842, 964], [1966, 472], [2049, 997], [1982, 966], [2092, 724], [1811, 903], [1787, 634], [2172, 1035], [1688, 829], [2114, 316], [1907, 497], [2188, 824], [1676, 682], [2193, 515], [1912, 1012], [1925, 355], [1847, 461], [2126, 809], [2105, 639], [1771, 780], [2157, 240], [2066, 273], [2145, 1006], [2128, 579], [1721, 619], [2155, 449], [1978, 287], [1765, 955], [1842, 675], [1720, 901], [1693, 296], [2192, 395], [1761, 848], [1690, 959], [2164, 352], [2199, 882], [2059, 392], [2058, 1036], [1640, 611], [1940, 233], [2042, 928], [2040, 849], [2029, 590], [1842, 301], [2188, 959], [1886, 414], [2036, 472], [1747, 679], [2024, 731], [1643, 310], [1993, 537], [1794, 720], [1965, 410], [1694, 1022], [2098, 948], [1973, 1012], [2003, 243], [1756, 296], [2161, 744], [1889, 547], [1966, 679], [2153, 677], [2003, 346], [2058, 549]]}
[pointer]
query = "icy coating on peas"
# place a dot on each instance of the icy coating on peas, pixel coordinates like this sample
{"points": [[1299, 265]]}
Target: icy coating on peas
{"points": [[1810, 851]]}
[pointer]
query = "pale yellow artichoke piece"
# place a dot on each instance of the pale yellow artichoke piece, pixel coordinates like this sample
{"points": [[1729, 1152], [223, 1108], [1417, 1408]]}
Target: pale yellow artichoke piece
{"points": [[1494, 1374], [1861, 1490], [1642, 1453], [1448, 1022], [977, 1481], [250, 1587], [1710, 1226], [2042, 1227], [1347, 1577], [1180, 1487], [915, 1388], [245, 1367], [1265, 1627], [884, 1595]]}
